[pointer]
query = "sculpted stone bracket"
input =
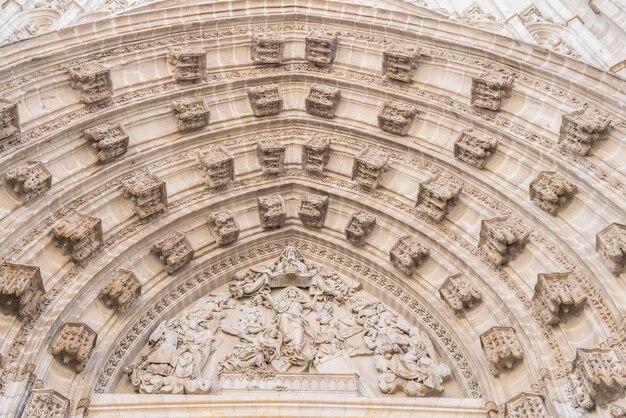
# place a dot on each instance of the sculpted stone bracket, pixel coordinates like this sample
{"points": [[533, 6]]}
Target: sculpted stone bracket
{"points": [[408, 254], [399, 61], [316, 153], [502, 348], [78, 235], [93, 80], [322, 100], [109, 140], [396, 117], [189, 62], [147, 192], [490, 87], [320, 46], [267, 48], [217, 164], [460, 294], [223, 226], [359, 227], [121, 291], [369, 165], [272, 211], [598, 377], [474, 147], [191, 113], [73, 345], [46, 403], [174, 250], [21, 289], [581, 130], [436, 197], [9, 118], [556, 295], [271, 155], [526, 405], [265, 100], [502, 239], [551, 191], [312, 210], [611, 244], [28, 181]]}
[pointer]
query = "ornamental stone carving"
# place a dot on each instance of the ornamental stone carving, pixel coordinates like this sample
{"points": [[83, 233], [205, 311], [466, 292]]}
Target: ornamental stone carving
{"points": [[475, 147], [320, 46], [460, 294], [9, 118], [475, 14], [502, 239], [265, 100], [147, 192], [598, 377], [109, 140], [490, 87], [436, 197], [28, 181], [272, 211], [21, 289], [533, 15], [223, 226], [359, 227], [369, 165], [316, 153], [526, 405], [581, 130], [551, 191], [408, 254], [46, 403], [556, 295], [73, 345], [611, 244], [190, 113], [174, 251], [217, 165], [312, 210], [267, 48], [322, 100], [618, 411], [93, 80], [399, 61], [271, 155], [78, 235], [189, 62], [121, 291], [396, 117], [502, 348]]}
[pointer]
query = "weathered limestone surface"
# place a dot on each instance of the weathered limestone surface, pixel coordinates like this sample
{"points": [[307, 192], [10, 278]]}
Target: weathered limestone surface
{"points": [[526, 405], [359, 226], [556, 295], [78, 235], [399, 61], [191, 113], [551, 191], [322, 100], [121, 291], [490, 87], [224, 226], [271, 155], [93, 80], [598, 377], [475, 147], [436, 197], [109, 140], [217, 164], [189, 62], [581, 130], [265, 100], [267, 48], [147, 192], [174, 250], [408, 254], [460, 294], [28, 181], [502, 239], [502, 348], [369, 165], [9, 118], [272, 211], [611, 244], [396, 117], [316, 153], [21, 289], [46, 403], [312, 210], [73, 345], [321, 46]]}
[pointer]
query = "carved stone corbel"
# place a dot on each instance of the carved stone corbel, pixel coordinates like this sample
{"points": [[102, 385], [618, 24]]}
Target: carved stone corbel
{"points": [[598, 377], [475, 147], [436, 197], [502, 239], [526, 405], [190, 113], [272, 211], [217, 165], [93, 80], [174, 250], [399, 61], [316, 153], [28, 181], [551, 191], [121, 291], [46, 403], [408, 254], [267, 48], [78, 235], [581, 130], [502, 348], [21, 289], [189, 62], [322, 100], [109, 140], [556, 295], [271, 155], [312, 210], [359, 227], [223, 226], [490, 87], [396, 117], [460, 294], [369, 165], [611, 244], [9, 118], [74, 344], [147, 192], [320, 46], [265, 100]]}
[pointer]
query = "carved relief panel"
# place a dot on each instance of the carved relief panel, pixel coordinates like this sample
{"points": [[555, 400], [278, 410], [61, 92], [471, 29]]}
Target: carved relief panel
{"points": [[322, 100], [320, 46], [502, 239], [556, 295], [272, 211], [526, 405], [174, 251], [265, 100], [190, 113], [271, 155], [399, 61], [223, 226], [551, 191], [359, 227], [316, 153], [21, 289], [582, 129], [93, 80], [369, 165], [408, 254], [9, 118], [28, 181], [436, 197], [598, 377], [78, 235], [147, 192], [611, 244], [267, 48], [490, 87], [109, 140], [460, 294], [121, 291], [475, 147], [73, 345], [217, 164], [46, 403], [312, 210], [189, 62], [396, 117], [502, 348]]}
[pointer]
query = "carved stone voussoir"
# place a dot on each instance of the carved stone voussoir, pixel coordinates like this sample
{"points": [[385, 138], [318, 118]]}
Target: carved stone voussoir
{"points": [[28, 181], [490, 87], [502, 239], [399, 61], [121, 291], [502, 348], [396, 117], [109, 140], [436, 197], [189, 62], [551, 191], [320, 46], [408, 254], [9, 118], [191, 113], [556, 295], [271, 155], [73, 345], [93, 80], [611, 244], [312, 210], [526, 405], [147, 192], [369, 165], [78, 235], [598, 377], [265, 100], [359, 227], [316, 153], [272, 211], [21, 289], [217, 164], [223, 226], [46, 403], [475, 147], [460, 294], [267, 48], [582, 129], [174, 250], [322, 100]]}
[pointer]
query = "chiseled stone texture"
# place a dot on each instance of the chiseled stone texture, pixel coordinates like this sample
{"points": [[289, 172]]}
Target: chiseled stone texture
{"points": [[359, 227], [475, 147], [93, 80], [312, 210], [265, 100], [436, 197], [526, 405], [598, 377], [369, 165], [147, 192], [408, 254], [46, 403], [551, 191], [74, 344], [321, 46], [267, 48], [271, 155], [9, 118], [189, 62], [460, 294], [322, 100], [191, 113], [21, 289], [502, 239], [556, 295], [272, 211], [223, 226], [316, 153], [490, 87], [78, 235], [581, 130], [611, 244], [217, 165], [109, 140], [502, 348], [28, 181], [174, 251], [399, 61], [396, 117], [121, 291]]}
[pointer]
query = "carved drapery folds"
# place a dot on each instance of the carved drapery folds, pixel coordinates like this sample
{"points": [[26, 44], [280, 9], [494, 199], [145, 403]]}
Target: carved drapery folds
{"points": [[581, 130], [272, 211], [322, 100], [46, 403], [490, 87], [369, 165], [312, 210], [502, 348], [551, 191], [217, 165], [174, 251], [320, 46], [556, 295], [93, 80], [109, 140], [359, 227], [460, 294], [28, 181], [267, 48], [189, 62], [78, 235], [475, 147], [396, 117], [73, 345], [399, 61], [408, 254], [147, 192], [436, 197], [265, 100], [502, 239], [611, 244], [271, 155], [223, 226], [121, 291], [190, 113], [9, 118], [598, 377], [316, 153], [526, 405], [21, 289]]}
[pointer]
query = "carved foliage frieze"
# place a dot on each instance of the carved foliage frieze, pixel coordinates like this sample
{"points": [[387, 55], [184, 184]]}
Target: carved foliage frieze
{"points": [[460, 294], [502, 348], [28, 181], [490, 87], [93, 80], [436, 197], [322, 100], [526, 405], [369, 165], [189, 62], [396, 117], [78, 235], [320, 46], [174, 250], [474, 147], [316, 153], [109, 140], [46, 403], [551, 191], [73, 345], [611, 244], [9, 118], [217, 165], [408, 254], [121, 291], [582, 129], [598, 377], [502, 239], [399, 61], [223, 226], [267, 48], [265, 100], [147, 192], [312, 210], [271, 155], [190, 113], [21, 289], [556, 295], [272, 211], [359, 227]]}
